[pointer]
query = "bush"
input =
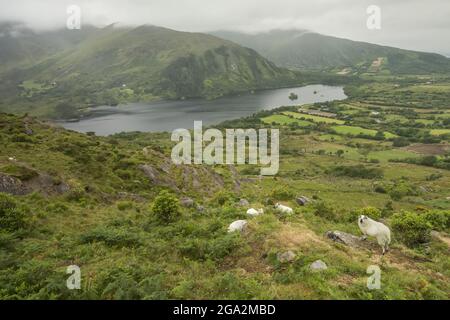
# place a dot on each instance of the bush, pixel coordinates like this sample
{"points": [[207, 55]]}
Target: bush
{"points": [[12, 216], [358, 171], [282, 194], [411, 228], [166, 207], [225, 197], [371, 212], [439, 220], [124, 205], [324, 210], [119, 237]]}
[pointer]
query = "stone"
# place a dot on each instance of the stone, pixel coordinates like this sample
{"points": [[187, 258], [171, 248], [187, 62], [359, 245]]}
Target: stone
{"points": [[318, 265], [244, 202], [287, 256], [239, 225], [187, 202], [302, 201]]}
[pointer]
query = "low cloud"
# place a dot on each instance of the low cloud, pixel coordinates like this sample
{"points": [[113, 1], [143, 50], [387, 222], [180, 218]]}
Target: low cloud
{"points": [[411, 24]]}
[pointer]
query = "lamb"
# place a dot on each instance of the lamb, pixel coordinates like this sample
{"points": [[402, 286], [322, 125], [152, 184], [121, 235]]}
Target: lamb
{"points": [[237, 226], [283, 208], [254, 213], [375, 229]]}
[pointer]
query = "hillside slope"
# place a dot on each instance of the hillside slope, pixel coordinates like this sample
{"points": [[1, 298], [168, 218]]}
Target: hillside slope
{"points": [[73, 199], [117, 64], [304, 50]]}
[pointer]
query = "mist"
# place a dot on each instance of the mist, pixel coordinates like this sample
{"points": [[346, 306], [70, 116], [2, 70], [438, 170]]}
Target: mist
{"points": [[414, 24]]}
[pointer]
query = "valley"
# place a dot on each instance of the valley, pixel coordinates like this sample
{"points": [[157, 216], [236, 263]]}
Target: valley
{"points": [[364, 132]]}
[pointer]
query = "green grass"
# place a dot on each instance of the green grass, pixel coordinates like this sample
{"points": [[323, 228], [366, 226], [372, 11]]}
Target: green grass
{"points": [[440, 132], [285, 120], [355, 131], [313, 118]]}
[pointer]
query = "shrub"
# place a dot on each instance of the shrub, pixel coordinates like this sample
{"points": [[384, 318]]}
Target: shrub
{"points": [[371, 212], [439, 220], [166, 207], [12, 216], [124, 205], [324, 210], [282, 193], [119, 237], [411, 228], [358, 171], [224, 197]]}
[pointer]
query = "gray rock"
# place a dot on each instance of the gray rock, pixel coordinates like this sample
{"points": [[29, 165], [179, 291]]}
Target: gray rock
{"points": [[187, 202], [287, 256], [350, 240], [238, 226], [318, 265], [200, 208], [244, 203], [302, 201]]}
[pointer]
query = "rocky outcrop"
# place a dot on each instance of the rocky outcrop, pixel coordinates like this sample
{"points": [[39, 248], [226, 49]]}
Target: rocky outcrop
{"points": [[349, 239], [12, 185], [42, 183], [285, 257], [318, 265]]}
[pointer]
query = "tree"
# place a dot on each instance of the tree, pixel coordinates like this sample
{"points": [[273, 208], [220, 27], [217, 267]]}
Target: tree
{"points": [[12, 217], [166, 207], [293, 96]]}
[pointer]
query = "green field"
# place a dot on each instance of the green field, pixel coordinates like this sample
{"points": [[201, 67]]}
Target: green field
{"points": [[440, 132], [285, 120], [355, 131], [313, 118]]}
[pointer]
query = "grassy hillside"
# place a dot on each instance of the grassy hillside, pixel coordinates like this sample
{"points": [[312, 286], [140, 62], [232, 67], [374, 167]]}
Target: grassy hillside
{"points": [[305, 50], [118, 64], [99, 203]]}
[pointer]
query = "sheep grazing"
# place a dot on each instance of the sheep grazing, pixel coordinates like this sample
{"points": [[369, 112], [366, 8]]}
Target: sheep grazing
{"points": [[254, 213], [375, 229], [237, 226], [12, 159], [283, 208]]}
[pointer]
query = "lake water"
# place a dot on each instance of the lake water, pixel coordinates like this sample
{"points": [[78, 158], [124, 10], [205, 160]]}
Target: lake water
{"points": [[170, 115]]}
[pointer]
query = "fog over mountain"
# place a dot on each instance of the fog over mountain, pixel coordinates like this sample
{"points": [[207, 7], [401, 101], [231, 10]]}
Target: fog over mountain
{"points": [[415, 24]]}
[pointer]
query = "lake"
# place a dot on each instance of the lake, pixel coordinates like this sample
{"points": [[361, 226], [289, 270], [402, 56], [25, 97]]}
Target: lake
{"points": [[170, 115]]}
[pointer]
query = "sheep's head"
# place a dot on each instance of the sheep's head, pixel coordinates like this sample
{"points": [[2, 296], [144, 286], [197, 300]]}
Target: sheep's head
{"points": [[363, 219]]}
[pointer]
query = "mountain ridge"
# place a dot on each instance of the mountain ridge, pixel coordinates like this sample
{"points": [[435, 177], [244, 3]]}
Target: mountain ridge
{"points": [[307, 50]]}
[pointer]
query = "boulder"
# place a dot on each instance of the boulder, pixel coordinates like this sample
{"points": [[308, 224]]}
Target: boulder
{"points": [[302, 201], [349, 240], [318, 265], [239, 225], [200, 208], [187, 202], [244, 203], [287, 256]]}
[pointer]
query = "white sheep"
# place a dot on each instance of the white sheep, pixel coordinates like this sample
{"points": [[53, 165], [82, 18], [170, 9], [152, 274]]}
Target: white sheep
{"points": [[12, 159], [283, 208], [375, 229], [237, 226], [254, 213]]}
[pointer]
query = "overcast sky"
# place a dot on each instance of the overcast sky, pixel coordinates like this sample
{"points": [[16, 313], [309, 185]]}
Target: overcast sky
{"points": [[412, 24]]}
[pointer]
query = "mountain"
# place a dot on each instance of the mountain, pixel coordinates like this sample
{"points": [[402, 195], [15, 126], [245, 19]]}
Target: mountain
{"points": [[115, 64], [305, 50], [23, 47]]}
